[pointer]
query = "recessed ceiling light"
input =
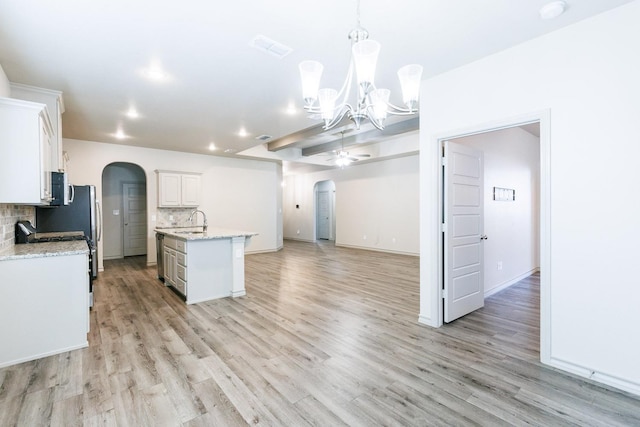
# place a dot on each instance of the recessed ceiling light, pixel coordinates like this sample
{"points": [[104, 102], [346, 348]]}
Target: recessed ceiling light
{"points": [[230, 150], [291, 109], [553, 9], [242, 132], [132, 113], [212, 147], [120, 134], [155, 73]]}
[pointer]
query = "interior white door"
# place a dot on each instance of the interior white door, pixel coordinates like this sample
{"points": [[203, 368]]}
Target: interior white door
{"points": [[135, 219], [323, 215], [463, 230]]}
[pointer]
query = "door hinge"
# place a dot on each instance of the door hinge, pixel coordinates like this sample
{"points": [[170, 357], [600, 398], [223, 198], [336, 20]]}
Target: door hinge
{"points": [[443, 161], [443, 227], [444, 294]]}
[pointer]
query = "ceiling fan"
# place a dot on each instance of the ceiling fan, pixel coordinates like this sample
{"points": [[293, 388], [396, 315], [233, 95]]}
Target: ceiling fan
{"points": [[342, 157]]}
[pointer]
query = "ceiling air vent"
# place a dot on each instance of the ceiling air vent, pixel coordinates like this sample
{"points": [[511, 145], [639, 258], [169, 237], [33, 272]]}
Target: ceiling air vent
{"points": [[263, 137], [272, 47]]}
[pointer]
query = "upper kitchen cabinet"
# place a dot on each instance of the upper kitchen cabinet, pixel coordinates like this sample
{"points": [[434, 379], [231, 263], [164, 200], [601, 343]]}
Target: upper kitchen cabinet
{"points": [[55, 105], [25, 148], [178, 189]]}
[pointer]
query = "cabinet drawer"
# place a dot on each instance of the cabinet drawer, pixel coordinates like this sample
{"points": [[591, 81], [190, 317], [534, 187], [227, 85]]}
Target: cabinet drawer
{"points": [[181, 245], [182, 259], [170, 243], [181, 286], [182, 273]]}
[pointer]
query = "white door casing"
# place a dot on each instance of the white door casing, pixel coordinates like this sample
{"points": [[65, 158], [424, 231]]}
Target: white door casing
{"points": [[463, 230], [134, 216]]}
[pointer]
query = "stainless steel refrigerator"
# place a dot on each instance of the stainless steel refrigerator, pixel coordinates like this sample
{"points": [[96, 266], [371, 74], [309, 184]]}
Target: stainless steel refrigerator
{"points": [[83, 213]]}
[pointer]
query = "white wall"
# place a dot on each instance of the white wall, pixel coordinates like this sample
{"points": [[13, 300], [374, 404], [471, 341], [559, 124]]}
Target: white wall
{"points": [[511, 160], [377, 200], [239, 194], [586, 75], [5, 88]]}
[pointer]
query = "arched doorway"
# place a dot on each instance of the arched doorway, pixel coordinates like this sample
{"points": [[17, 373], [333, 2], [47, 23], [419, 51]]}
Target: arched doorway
{"points": [[124, 206], [325, 209]]}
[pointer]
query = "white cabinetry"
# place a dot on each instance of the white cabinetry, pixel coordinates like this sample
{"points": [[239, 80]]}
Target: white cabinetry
{"points": [[44, 306], [175, 264], [55, 105], [25, 147], [178, 189]]}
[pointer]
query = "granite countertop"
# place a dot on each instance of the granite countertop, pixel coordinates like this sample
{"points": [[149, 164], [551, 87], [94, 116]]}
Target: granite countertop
{"points": [[195, 233], [48, 249]]}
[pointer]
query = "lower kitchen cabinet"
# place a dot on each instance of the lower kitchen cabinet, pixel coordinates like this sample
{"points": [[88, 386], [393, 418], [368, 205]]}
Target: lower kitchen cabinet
{"points": [[44, 305], [175, 264]]}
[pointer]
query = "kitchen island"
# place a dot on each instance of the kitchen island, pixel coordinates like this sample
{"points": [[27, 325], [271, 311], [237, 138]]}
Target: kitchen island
{"points": [[204, 265], [44, 300]]}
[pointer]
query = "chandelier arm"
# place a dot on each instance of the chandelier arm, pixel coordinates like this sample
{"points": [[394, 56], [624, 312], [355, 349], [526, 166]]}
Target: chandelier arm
{"points": [[400, 111], [338, 118], [346, 86]]}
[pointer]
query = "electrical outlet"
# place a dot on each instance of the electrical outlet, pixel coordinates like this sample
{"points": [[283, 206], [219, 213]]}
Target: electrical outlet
{"points": [[499, 266]]}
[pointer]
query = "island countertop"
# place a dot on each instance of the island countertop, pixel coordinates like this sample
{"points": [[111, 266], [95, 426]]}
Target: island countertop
{"points": [[195, 233], [48, 249]]}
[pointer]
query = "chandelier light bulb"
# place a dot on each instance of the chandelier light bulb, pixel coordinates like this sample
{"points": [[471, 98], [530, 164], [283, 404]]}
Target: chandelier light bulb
{"points": [[379, 101], [365, 58], [310, 74], [327, 99], [410, 77]]}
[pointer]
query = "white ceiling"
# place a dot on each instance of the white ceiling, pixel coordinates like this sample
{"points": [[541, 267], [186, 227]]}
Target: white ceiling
{"points": [[95, 52]]}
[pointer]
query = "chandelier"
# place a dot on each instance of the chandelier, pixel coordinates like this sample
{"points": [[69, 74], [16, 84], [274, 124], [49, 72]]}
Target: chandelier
{"points": [[371, 103]]}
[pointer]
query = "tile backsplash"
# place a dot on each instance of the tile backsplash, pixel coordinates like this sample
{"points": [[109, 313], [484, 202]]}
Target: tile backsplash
{"points": [[9, 215], [180, 217]]}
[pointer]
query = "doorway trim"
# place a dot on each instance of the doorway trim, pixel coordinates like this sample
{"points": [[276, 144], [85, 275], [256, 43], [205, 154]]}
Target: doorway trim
{"points": [[332, 208], [431, 246]]}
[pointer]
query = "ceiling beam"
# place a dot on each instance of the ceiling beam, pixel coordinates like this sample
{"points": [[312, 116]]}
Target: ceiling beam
{"points": [[293, 138], [373, 135]]}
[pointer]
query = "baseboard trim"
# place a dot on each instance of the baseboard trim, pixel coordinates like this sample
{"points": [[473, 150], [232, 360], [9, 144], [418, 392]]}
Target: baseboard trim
{"points": [[511, 282], [45, 354], [263, 251], [299, 240], [599, 377], [424, 320], [368, 248]]}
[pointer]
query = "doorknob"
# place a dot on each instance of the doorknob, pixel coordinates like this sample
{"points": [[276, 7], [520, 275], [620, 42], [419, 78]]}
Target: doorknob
{"points": [[483, 237]]}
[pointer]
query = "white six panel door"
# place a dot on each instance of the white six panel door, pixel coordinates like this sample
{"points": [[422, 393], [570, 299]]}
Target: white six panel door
{"points": [[463, 231]]}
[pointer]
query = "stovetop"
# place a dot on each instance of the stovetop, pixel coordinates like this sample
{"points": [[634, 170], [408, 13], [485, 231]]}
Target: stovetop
{"points": [[56, 236]]}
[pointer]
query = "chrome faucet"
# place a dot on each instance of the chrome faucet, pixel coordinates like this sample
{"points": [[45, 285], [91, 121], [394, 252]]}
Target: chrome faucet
{"points": [[204, 217]]}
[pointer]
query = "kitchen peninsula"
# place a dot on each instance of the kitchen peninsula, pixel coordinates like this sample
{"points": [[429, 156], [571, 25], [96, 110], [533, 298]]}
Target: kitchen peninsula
{"points": [[203, 265]]}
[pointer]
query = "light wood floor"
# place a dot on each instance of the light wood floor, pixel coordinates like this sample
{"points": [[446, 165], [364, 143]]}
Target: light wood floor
{"points": [[325, 336]]}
